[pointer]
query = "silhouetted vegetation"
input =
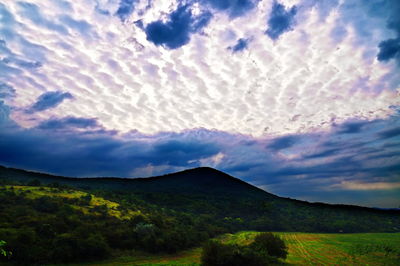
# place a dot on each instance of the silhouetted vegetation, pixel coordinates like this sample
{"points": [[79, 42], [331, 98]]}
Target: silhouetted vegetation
{"points": [[266, 249]]}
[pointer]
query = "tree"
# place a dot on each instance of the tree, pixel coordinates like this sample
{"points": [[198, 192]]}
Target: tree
{"points": [[270, 244], [219, 254], [4, 252], [34, 183]]}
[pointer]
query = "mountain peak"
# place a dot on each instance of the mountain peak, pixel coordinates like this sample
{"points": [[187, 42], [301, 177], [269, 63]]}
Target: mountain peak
{"points": [[200, 180]]}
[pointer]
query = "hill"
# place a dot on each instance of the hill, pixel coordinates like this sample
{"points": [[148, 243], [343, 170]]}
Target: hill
{"points": [[203, 180], [81, 217], [207, 191]]}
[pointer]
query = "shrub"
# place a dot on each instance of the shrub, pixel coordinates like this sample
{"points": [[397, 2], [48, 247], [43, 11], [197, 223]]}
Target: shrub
{"points": [[219, 254], [270, 244]]}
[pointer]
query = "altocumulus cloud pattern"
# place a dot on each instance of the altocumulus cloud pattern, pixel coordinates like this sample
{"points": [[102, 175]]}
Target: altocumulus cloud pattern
{"points": [[285, 94]]}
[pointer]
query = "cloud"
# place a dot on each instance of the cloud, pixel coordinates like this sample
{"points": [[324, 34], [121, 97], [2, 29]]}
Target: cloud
{"points": [[323, 153], [353, 127], [181, 152], [330, 161], [280, 20], [369, 186], [49, 100], [375, 24], [4, 114], [127, 82], [390, 48], [68, 122], [281, 143], [390, 133], [176, 32], [32, 12], [81, 26], [79, 153], [6, 91]]}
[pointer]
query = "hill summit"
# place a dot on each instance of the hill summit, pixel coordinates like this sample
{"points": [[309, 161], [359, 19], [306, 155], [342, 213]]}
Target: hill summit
{"points": [[222, 200], [203, 180]]}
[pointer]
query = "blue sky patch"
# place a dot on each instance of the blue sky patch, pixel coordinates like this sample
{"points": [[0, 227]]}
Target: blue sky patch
{"points": [[125, 9], [240, 45], [280, 20], [176, 32], [234, 8]]}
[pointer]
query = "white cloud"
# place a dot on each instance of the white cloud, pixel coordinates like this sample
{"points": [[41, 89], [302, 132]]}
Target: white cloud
{"points": [[298, 83], [349, 185]]}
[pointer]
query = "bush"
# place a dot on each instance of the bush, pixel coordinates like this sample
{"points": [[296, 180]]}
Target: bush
{"points": [[218, 254], [270, 244], [215, 253]]}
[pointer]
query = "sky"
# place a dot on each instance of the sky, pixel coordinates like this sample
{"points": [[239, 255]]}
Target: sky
{"points": [[298, 97]]}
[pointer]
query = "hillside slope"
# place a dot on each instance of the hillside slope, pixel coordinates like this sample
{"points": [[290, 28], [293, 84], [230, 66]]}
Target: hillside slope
{"points": [[226, 201], [203, 180]]}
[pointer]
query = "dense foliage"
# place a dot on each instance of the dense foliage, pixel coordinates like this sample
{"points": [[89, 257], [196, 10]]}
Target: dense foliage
{"points": [[58, 229], [271, 244], [265, 250]]}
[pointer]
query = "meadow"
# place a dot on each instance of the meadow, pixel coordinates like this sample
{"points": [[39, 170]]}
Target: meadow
{"points": [[304, 249]]}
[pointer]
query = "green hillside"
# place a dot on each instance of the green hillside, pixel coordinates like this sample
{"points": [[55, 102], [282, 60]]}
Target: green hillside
{"points": [[229, 202]]}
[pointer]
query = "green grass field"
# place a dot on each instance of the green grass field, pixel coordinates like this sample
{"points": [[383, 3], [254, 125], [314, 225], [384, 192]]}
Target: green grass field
{"points": [[343, 249], [304, 249]]}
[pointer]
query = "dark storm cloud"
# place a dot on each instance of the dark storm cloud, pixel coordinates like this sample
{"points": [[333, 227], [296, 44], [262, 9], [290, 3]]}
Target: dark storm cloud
{"points": [[323, 153], [176, 32], [68, 122], [49, 100], [94, 154], [74, 152], [280, 20], [390, 133], [352, 127], [281, 143], [181, 152]]}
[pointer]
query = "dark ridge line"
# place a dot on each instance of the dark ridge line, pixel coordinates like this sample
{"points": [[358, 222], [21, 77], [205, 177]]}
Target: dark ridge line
{"points": [[205, 170]]}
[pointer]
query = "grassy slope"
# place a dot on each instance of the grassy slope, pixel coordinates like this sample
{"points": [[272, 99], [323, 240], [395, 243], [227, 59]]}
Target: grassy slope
{"points": [[36, 192], [304, 249]]}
